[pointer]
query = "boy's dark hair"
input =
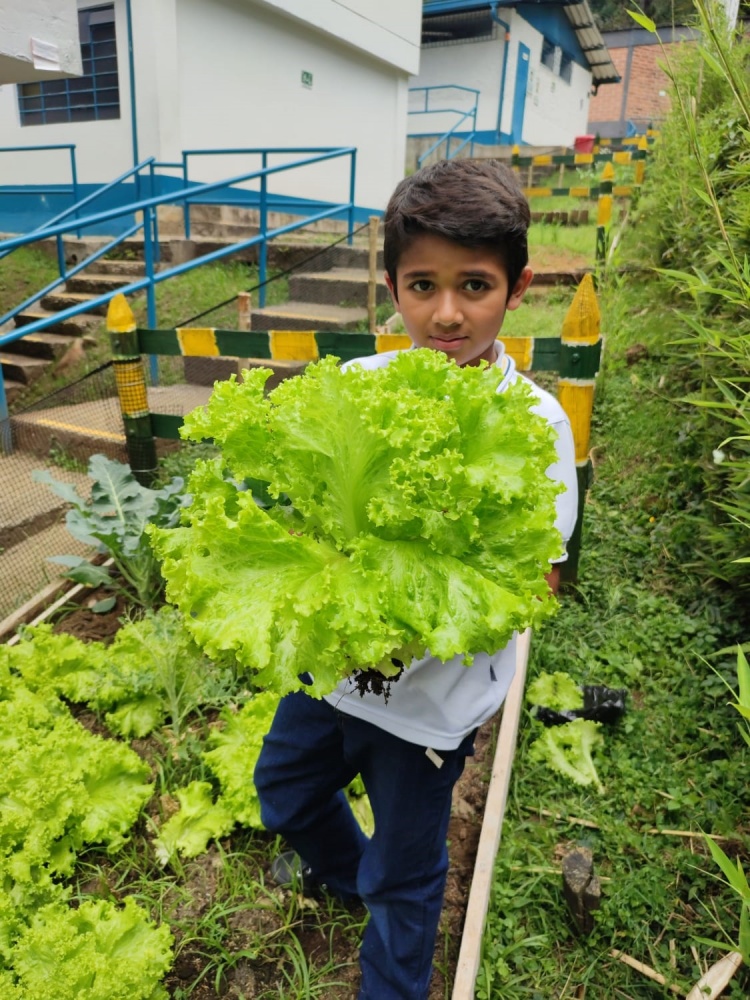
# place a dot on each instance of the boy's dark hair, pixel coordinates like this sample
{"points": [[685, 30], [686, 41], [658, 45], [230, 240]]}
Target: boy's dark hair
{"points": [[476, 203]]}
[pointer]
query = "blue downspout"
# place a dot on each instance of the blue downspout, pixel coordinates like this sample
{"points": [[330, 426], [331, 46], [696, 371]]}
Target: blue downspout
{"points": [[131, 65], [497, 20]]}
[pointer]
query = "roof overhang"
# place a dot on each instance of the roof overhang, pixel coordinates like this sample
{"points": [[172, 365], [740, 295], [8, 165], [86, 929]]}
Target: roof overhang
{"points": [[578, 13]]}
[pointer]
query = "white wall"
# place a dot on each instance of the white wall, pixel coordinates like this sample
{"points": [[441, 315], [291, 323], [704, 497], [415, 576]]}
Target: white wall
{"points": [[386, 29], [253, 96], [103, 148], [556, 111], [477, 65], [24, 24], [228, 73]]}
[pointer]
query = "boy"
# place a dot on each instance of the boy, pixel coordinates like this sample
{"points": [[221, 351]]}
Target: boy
{"points": [[456, 260]]}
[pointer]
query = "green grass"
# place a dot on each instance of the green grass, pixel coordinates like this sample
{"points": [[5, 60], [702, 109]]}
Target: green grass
{"points": [[638, 619], [22, 273]]}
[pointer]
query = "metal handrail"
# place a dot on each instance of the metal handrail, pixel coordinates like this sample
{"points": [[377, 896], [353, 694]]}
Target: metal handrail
{"points": [[447, 137], [70, 146], [148, 207], [264, 153]]}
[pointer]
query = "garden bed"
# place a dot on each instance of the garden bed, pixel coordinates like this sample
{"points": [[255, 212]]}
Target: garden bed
{"points": [[236, 934]]}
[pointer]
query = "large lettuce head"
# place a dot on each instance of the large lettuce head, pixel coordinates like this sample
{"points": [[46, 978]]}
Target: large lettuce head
{"points": [[403, 509]]}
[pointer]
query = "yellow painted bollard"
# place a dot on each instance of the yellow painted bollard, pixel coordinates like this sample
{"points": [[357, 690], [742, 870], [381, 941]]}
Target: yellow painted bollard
{"points": [[130, 377], [604, 212], [516, 155], [580, 354]]}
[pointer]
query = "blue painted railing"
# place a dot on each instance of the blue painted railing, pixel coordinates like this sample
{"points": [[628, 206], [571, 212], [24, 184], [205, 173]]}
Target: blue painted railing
{"points": [[71, 189], [148, 206], [450, 135], [263, 202]]}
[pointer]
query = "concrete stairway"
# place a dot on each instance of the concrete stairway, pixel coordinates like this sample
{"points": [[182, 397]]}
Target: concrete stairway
{"points": [[26, 359], [331, 297]]}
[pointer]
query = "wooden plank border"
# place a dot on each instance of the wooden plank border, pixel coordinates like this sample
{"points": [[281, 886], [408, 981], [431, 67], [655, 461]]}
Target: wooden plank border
{"points": [[489, 839]]}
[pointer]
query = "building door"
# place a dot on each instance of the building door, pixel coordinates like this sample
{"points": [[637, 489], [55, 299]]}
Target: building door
{"points": [[519, 92]]}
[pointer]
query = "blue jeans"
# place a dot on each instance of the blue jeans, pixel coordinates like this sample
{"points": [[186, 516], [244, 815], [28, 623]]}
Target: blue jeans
{"points": [[313, 751]]}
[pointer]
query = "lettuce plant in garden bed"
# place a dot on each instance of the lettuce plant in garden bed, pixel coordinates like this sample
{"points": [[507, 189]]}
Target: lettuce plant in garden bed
{"points": [[404, 508]]}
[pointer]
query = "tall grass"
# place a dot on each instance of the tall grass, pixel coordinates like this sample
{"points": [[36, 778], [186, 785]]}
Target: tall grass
{"points": [[695, 227]]}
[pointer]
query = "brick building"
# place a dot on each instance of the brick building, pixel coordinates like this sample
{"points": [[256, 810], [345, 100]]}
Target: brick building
{"points": [[642, 95]]}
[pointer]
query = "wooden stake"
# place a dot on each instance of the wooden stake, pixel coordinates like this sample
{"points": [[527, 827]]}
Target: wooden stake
{"points": [[489, 838], [372, 274], [244, 322], [645, 970]]}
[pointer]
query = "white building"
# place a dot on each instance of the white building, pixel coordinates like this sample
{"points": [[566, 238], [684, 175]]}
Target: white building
{"points": [[38, 40], [528, 70], [164, 76]]}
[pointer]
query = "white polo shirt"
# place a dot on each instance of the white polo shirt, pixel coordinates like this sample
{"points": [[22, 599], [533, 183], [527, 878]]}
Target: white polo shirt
{"points": [[434, 703]]}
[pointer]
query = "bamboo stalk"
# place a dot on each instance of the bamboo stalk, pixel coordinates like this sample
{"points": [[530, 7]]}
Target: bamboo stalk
{"points": [[717, 978], [645, 970], [575, 820]]}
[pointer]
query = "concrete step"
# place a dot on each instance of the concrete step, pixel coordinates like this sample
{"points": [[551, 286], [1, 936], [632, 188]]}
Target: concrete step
{"points": [[307, 316], [120, 268], [13, 390], [57, 301], [342, 255], [341, 285], [20, 368], [97, 284], [74, 326], [42, 345]]}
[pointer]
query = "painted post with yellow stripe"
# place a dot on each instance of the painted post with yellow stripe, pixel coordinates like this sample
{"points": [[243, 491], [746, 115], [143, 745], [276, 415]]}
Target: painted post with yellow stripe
{"points": [[604, 212], [130, 377], [580, 353]]}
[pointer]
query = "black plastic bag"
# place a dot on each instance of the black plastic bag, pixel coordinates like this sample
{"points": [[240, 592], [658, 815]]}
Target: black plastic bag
{"points": [[600, 704]]}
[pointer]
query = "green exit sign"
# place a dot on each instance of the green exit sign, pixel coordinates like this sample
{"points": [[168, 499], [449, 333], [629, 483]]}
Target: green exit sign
{"points": [[306, 78]]}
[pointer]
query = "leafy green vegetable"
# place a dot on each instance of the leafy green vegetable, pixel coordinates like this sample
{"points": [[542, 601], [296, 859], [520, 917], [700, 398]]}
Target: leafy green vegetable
{"points": [[60, 787], [557, 691], [95, 952], [234, 754], [412, 512], [198, 821], [113, 519], [151, 671], [568, 749]]}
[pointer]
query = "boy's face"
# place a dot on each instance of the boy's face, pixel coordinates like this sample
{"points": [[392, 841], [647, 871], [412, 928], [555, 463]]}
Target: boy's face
{"points": [[453, 299]]}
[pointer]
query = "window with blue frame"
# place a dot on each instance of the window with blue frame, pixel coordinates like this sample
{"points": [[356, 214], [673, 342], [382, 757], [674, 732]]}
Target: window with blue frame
{"points": [[95, 96]]}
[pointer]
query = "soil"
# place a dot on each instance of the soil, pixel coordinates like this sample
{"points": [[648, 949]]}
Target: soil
{"points": [[321, 940]]}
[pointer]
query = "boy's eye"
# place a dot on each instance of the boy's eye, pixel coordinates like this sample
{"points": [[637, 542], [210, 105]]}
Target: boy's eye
{"points": [[421, 285], [475, 285]]}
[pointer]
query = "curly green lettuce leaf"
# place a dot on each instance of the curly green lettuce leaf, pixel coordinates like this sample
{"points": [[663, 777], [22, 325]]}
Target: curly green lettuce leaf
{"points": [[60, 787], [234, 753], [569, 750], [97, 951], [199, 820], [557, 691], [152, 671], [413, 512]]}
